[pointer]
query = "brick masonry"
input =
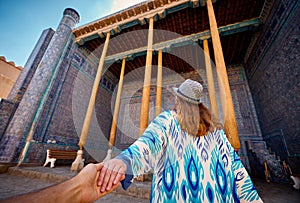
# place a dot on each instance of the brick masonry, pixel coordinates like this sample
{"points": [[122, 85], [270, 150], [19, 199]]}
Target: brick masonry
{"points": [[24, 78], [273, 72], [13, 140], [64, 111], [31, 65], [128, 123], [6, 108]]}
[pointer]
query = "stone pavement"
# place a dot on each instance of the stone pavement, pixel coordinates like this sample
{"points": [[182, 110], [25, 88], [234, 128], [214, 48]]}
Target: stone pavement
{"points": [[25, 179]]}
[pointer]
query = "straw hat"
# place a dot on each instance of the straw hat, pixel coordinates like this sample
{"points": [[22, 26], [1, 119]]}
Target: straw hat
{"points": [[189, 91]]}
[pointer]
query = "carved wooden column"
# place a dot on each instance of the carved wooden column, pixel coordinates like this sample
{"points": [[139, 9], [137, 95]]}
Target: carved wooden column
{"points": [[210, 81], [159, 84], [113, 129], [146, 88], [225, 94], [78, 163], [147, 80]]}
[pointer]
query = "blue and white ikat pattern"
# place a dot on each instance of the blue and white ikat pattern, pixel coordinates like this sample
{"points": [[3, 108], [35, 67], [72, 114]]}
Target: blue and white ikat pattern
{"points": [[187, 168]]}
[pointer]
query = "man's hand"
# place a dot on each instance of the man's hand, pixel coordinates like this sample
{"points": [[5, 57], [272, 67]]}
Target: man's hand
{"points": [[81, 188], [88, 177], [111, 174]]}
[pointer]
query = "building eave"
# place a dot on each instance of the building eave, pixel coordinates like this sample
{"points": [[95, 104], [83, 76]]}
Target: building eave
{"points": [[138, 14]]}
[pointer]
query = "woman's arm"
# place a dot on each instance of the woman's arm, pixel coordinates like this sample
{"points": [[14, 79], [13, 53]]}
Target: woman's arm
{"points": [[245, 190], [142, 156]]}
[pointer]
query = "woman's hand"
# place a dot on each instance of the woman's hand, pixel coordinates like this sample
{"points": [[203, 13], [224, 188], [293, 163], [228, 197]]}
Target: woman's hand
{"points": [[87, 179], [111, 174]]}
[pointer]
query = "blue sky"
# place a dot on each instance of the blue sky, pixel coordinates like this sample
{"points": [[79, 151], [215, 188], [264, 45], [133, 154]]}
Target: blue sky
{"points": [[22, 21]]}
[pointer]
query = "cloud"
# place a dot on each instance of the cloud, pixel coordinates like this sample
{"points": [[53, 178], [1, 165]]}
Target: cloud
{"points": [[118, 5]]}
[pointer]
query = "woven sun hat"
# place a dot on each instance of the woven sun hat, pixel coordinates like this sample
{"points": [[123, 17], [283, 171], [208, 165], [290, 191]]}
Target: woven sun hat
{"points": [[189, 91]]}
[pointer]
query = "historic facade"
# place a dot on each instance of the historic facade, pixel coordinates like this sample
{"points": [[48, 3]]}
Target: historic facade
{"points": [[98, 86], [9, 73]]}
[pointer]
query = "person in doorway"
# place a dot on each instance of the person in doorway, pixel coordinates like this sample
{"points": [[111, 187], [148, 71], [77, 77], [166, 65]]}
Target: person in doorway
{"points": [[192, 159], [81, 188]]}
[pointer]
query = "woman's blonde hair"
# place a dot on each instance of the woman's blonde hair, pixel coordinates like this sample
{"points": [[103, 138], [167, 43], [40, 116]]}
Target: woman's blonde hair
{"points": [[195, 119]]}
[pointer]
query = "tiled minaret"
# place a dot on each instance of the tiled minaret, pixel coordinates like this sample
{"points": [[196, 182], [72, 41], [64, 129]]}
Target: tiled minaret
{"points": [[30, 67], [14, 138]]}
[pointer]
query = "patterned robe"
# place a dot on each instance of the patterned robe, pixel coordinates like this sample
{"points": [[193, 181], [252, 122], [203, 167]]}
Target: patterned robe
{"points": [[188, 168]]}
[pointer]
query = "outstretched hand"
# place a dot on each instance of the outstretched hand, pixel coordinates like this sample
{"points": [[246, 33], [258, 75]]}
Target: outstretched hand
{"points": [[89, 177], [81, 188], [111, 174]]}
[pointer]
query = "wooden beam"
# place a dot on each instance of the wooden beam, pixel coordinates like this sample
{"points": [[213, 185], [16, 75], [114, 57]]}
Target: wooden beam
{"points": [[225, 93], [181, 41], [144, 116], [113, 129], [171, 7], [158, 109], [78, 162], [88, 116], [210, 81], [147, 79]]}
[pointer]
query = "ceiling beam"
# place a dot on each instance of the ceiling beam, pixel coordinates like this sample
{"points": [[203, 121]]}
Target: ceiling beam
{"points": [[173, 6], [185, 40]]}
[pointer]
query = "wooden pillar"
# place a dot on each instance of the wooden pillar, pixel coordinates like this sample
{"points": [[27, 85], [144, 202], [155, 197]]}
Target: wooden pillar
{"points": [[78, 163], [210, 81], [159, 84], [146, 88], [147, 79], [113, 129], [225, 94]]}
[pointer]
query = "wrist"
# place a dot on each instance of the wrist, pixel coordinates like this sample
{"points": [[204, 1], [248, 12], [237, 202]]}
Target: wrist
{"points": [[75, 187], [67, 191]]}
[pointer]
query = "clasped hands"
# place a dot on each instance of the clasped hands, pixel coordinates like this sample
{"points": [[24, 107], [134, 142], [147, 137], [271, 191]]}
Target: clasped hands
{"points": [[93, 182], [111, 174]]}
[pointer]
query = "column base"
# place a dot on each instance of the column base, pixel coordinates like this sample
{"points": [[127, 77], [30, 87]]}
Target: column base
{"points": [[142, 178], [108, 155], [78, 163]]}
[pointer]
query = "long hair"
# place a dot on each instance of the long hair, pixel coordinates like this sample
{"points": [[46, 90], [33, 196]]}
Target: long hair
{"points": [[195, 119]]}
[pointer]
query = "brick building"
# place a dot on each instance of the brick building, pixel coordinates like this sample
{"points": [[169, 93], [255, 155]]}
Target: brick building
{"points": [[9, 73], [259, 41]]}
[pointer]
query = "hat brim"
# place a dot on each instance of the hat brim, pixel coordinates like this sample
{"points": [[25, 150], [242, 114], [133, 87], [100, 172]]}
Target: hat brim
{"points": [[175, 91]]}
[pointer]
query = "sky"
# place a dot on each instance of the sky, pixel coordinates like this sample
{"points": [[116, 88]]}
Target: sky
{"points": [[22, 21]]}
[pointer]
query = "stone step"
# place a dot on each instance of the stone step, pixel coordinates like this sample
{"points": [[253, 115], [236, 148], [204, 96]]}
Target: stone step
{"points": [[3, 168], [60, 174], [39, 174]]}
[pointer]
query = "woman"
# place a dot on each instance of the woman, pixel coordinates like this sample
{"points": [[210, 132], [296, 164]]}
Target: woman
{"points": [[191, 157]]}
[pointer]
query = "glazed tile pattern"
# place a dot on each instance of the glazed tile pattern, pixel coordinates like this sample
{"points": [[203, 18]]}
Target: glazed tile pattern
{"points": [[16, 133], [31, 65], [247, 121], [6, 107], [273, 72]]}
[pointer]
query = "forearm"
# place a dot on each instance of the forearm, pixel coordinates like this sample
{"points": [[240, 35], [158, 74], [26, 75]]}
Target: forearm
{"points": [[68, 191]]}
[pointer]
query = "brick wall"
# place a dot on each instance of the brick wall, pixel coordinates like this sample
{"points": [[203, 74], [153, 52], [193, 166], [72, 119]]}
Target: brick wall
{"points": [[31, 65], [6, 108], [128, 123], [32, 103], [273, 72], [64, 111]]}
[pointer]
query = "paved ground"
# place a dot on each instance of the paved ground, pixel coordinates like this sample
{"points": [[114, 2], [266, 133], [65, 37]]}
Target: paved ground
{"points": [[276, 192], [13, 184]]}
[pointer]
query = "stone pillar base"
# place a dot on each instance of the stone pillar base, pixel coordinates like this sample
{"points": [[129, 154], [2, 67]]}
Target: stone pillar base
{"points": [[78, 164], [109, 155]]}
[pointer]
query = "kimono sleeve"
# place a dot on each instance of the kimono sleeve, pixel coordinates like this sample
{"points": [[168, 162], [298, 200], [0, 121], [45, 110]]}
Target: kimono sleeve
{"points": [[244, 190], [144, 153]]}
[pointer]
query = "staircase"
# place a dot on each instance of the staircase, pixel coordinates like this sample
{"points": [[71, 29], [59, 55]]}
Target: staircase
{"points": [[265, 163]]}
